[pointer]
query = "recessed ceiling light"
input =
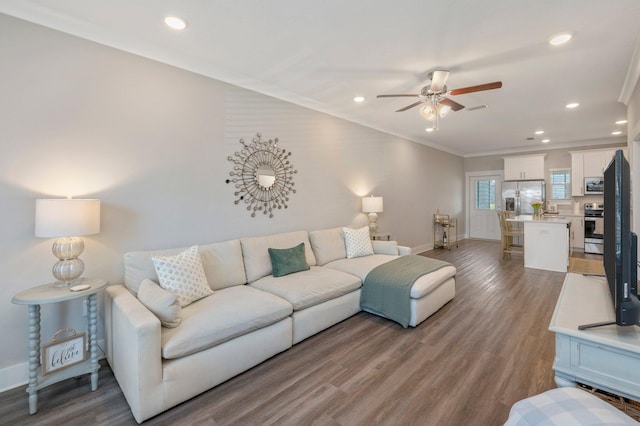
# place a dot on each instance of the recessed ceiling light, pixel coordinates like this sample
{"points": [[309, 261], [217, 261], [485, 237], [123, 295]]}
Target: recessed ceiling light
{"points": [[559, 39], [573, 105], [175, 22], [429, 129], [616, 133], [359, 99], [546, 140], [621, 122], [539, 132]]}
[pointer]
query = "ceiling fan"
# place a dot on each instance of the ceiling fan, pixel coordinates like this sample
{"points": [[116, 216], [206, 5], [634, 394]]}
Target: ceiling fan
{"points": [[434, 96]]}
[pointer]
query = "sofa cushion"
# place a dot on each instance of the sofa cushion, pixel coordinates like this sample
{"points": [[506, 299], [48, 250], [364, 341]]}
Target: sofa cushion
{"points": [[256, 255], [288, 261], [385, 247], [328, 245], [308, 288], [226, 314], [183, 275], [357, 242], [161, 302], [360, 266], [222, 263]]}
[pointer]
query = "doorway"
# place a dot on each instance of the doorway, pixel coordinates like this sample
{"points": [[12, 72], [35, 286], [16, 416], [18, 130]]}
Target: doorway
{"points": [[484, 200]]}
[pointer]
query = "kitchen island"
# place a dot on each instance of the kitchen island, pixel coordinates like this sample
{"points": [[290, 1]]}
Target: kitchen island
{"points": [[546, 242]]}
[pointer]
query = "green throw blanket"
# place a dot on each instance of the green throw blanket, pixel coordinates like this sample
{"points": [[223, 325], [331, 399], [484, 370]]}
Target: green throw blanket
{"points": [[387, 288]]}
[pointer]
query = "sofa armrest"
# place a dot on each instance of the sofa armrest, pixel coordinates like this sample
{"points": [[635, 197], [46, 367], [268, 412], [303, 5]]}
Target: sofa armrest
{"points": [[390, 247], [404, 250], [134, 351]]}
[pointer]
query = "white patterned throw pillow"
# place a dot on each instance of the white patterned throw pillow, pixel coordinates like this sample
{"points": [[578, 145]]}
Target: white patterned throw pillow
{"points": [[357, 242], [183, 275]]}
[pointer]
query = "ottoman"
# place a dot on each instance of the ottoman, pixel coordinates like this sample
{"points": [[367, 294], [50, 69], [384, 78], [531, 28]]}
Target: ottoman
{"points": [[566, 407]]}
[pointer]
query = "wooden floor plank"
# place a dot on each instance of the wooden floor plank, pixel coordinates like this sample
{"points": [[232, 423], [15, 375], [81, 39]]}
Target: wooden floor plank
{"points": [[466, 364]]}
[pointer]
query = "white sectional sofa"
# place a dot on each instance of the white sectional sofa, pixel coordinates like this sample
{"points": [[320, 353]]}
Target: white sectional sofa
{"points": [[250, 316]]}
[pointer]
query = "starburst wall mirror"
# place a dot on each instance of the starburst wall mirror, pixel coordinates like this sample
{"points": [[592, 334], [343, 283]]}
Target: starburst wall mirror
{"points": [[263, 176]]}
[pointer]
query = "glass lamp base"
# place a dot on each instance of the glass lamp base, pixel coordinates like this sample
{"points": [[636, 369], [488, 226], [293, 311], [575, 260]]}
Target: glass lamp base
{"points": [[68, 268], [373, 223], [65, 284]]}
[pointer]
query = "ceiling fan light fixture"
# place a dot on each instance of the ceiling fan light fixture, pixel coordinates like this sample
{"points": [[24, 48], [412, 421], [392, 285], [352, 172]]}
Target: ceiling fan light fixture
{"points": [[560, 39], [428, 112], [443, 110]]}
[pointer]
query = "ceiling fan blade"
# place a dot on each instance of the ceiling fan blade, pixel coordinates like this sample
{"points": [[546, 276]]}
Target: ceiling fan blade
{"points": [[397, 96], [438, 80], [452, 104], [479, 88], [411, 106]]}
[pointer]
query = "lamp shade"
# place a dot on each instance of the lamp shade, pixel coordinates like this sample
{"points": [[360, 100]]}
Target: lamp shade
{"points": [[67, 217], [372, 204]]}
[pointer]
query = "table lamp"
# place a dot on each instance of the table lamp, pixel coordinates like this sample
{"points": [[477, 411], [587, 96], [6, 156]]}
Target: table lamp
{"points": [[373, 206], [67, 219]]}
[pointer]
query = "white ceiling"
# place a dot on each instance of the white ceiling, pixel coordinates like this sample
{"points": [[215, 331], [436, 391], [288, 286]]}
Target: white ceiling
{"points": [[321, 54]]}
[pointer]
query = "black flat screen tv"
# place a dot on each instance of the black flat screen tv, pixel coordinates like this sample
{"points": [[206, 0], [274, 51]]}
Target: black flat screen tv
{"points": [[620, 244]]}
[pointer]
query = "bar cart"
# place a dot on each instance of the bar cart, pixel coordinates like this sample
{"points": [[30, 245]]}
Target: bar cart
{"points": [[445, 231]]}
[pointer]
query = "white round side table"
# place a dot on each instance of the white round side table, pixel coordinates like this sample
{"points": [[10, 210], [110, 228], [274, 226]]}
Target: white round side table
{"points": [[49, 293]]}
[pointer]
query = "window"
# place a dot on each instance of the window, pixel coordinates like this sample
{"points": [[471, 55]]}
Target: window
{"points": [[485, 195], [560, 184]]}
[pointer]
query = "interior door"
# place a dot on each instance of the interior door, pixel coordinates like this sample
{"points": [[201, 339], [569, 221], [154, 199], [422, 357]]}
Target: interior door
{"points": [[484, 200]]}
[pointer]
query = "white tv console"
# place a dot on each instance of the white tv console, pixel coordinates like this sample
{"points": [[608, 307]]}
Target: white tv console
{"points": [[606, 358]]}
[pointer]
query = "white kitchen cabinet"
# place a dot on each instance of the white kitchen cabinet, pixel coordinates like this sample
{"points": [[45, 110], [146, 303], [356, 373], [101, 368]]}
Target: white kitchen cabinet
{"points": [[594, 163], [526, 167], [589, 163], [577, 174], [576, 233], [546, 244]]}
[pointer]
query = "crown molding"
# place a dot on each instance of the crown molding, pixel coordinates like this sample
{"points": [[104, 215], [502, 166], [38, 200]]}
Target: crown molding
{"points": [[633, 75]]}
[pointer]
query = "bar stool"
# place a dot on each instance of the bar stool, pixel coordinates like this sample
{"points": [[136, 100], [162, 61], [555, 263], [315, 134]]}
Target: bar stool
{"points": [[507, 232]]}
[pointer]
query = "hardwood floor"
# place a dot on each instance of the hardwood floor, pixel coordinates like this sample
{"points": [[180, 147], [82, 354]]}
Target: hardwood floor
{"points": [[465, 365]]}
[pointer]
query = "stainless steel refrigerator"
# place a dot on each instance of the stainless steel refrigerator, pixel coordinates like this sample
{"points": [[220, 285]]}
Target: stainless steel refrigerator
{"points": [[518, 195]]}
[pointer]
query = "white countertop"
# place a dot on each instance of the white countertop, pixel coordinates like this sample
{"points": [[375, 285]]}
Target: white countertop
{"points": [[542, 219], [568, 214]]}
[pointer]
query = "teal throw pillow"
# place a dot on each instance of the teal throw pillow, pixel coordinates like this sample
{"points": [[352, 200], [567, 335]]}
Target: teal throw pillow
{"points": [[287, 261]]}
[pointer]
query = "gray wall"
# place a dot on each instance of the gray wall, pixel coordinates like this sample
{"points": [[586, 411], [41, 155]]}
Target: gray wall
{"points": [[151, 141]]}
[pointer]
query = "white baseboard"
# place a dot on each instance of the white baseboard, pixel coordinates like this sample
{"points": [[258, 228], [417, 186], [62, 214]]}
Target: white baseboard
{"points": [[14, 376], [426, 247], [421, 248]]}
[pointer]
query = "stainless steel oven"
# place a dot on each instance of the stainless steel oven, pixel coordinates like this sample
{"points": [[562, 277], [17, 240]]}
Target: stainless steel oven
{"points": [[593, 228]]}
